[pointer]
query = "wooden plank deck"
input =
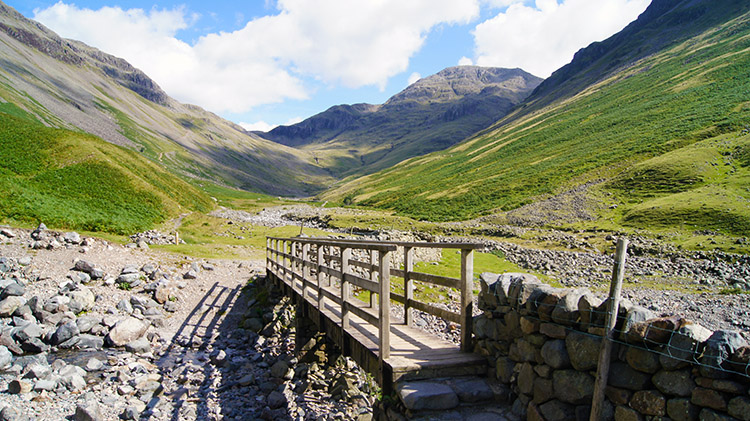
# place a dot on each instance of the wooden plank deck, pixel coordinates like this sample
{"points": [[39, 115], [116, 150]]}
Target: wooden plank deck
{"points": [[415, 354]]}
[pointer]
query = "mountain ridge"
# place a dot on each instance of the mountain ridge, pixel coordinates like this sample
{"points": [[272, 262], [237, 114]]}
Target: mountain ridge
{"points": [[431, 114]]}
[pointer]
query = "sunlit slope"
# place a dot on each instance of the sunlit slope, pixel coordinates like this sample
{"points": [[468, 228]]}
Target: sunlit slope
{"points": [[67, 84], [695, 90], [78, 181]]}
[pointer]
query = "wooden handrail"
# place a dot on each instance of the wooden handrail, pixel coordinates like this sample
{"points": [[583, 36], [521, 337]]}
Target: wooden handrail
{"points": [[294, 262]]}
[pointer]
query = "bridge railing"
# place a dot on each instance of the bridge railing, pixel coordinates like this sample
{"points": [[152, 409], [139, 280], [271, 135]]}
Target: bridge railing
{"points": [[312, 263]]}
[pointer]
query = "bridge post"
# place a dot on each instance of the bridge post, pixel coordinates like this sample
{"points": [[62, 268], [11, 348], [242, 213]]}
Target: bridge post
{"points": [[321, 262], [467, 275], [373, 274], [305, 271], [384, 263], [408, 285], [346, 254]]}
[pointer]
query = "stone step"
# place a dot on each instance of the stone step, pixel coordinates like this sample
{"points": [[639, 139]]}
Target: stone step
{"points": [[455, 398]]}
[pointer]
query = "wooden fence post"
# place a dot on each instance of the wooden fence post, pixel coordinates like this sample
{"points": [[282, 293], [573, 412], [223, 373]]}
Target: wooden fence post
{"points": [[321, 262], [373, 274], [305, 270], [467, 279], [384, 261], [602, 372], [408, 285], [346, 254]]}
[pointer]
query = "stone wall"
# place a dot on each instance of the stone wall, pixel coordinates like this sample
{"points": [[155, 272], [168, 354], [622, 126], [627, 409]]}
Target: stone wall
{"points": [[544, 342]]}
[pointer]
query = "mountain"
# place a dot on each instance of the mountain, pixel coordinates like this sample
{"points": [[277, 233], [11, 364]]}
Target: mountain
{"points": [[647, 129], [432, 114], [68, 85]]}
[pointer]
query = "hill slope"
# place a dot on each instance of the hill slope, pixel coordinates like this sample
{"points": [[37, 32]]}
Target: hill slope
{"points": [[664, 138], [67, 84], [430, 115]]}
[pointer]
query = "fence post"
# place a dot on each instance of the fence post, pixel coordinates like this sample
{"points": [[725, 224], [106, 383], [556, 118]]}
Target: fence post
{"points": [[408, 286], [346, 254], [602, 372], [384, 263], [467, 278]]}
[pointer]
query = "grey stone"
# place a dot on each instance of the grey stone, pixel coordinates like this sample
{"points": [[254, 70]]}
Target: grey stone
{"points": [[125, 331], [555, 354], [623, 376], [125, 306], [13, 290], [683, 345], [676, 383], [89, 411], [72, 237], [520, 288], [87, 321], [573, 386], [719, 347], [11, 414], [191, 274], [64, 332], [83, 296], [566, 311], [649, 402], [555, 410], [94, 364], [138, 346], [504, 369], [680, 409], [128, 278], [19, 387], [28, 331], [37, 370], [276, 400], [739, 407], [48, 384], [642, 359], [543, 390], [427, 395], [710, 415], [87, 341], [583, 350], [708, 398], [6, 358], [281, 369], [83, 266], [526, 378], [9, 305], [623, 413], [587, 305]]}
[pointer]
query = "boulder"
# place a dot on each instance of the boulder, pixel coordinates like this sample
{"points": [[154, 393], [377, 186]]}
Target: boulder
{"points": [[649, 402], [64, 332], [583, 350], [682, 347], [81, 299], [566, 310], [10, 304], [675, 383], [718, 348], [520, 288], [573, 386], [555, 354], [655, 331], [125, 331]]}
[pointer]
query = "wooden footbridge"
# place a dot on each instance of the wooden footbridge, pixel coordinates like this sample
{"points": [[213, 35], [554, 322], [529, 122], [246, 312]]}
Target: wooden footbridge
{"points": [[321, 274]]}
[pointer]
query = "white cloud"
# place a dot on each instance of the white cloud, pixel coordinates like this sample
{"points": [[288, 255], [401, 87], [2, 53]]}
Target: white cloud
{"points": [[336, 42], [414, 77], [543, 38], [265, 127], [465, 61]]}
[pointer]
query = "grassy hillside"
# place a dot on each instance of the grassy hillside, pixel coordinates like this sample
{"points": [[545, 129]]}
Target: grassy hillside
{"points": [[77, 181], [669, 131]]}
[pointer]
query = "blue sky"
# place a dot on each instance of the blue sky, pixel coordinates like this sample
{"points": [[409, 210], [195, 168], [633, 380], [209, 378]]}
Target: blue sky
{"points": [[263, 63]]}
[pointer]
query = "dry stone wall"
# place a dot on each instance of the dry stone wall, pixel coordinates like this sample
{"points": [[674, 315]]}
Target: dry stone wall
{"points": [[544, 342]]}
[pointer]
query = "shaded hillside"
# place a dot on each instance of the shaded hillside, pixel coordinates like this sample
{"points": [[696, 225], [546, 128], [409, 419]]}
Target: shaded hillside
{"points": [[67, 84], [432, 114], [662, 138], [73, 180]]}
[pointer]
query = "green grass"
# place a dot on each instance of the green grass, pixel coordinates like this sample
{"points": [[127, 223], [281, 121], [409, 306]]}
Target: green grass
{"points": [[692, 92], [77, 181]]}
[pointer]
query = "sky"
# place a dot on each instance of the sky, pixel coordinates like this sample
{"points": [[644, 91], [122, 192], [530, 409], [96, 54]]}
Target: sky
{"points": [[263, 63]]}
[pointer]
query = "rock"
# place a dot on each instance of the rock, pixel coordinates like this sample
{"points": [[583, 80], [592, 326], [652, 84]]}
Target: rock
{"points": [[125, 306], [520, 288], [247, 380], [87, 341], [472, 390], [48, 384], [583, 350], [526, 377], [72, 238], [73, 381], [82, 299], [37, 370], [162, 293], [587, 305], [57, 303], [19, 387], [683, 345], [649, 402], [7, 233], [739, 407], [13, 290], [676, 383], [138, 346], [426, 395], [191, 274], [276, 400], [94, 364], [11, 414], [171, 306], [642, 359], [566, 311], [708, 398], [623, 413], [88, 412], [281, 370], [573, 386], [64, 332], [719, 347], [709, 415], [125, 331], [83, 266], [556, 410], [623, 376], [6, 358], [555, 354], [9, 305], [87, 321]]}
